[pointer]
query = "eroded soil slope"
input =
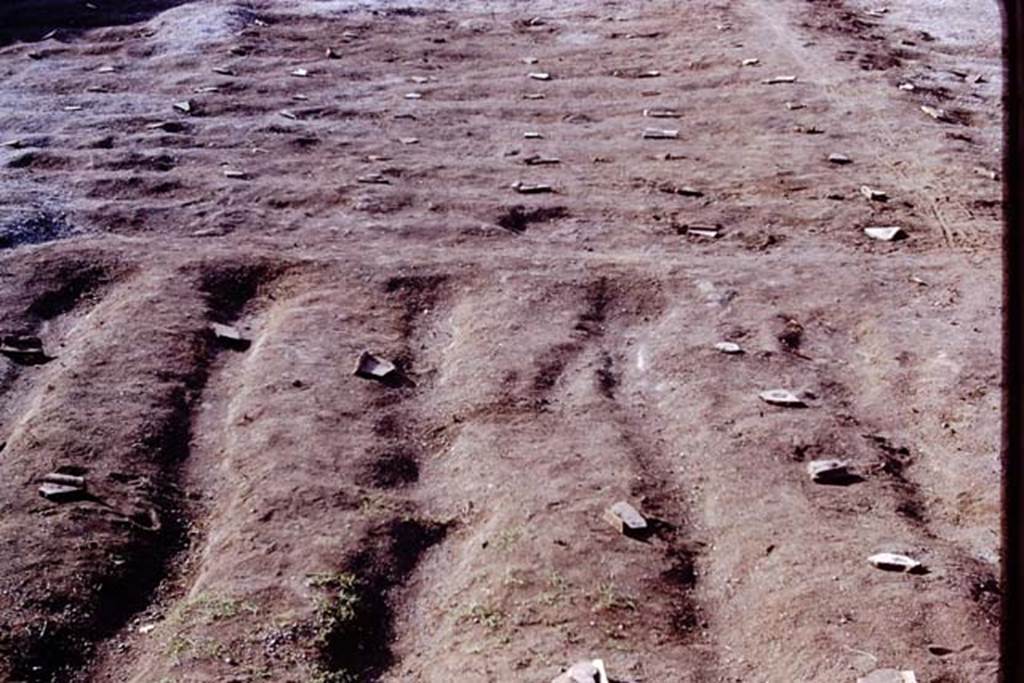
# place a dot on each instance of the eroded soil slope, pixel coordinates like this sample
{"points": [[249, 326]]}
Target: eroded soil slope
{"points": [[257, 513]]}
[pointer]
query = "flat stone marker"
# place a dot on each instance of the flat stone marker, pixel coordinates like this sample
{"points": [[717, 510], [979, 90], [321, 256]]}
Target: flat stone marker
{"points": [[626, 519], [828, 471], [702, 230], [731, 348], [538, 160], [370, 366], [781, 397], [889, 676], [662, 113], [887, 234], [894, 562], [24, 350], [659, 134], [229, 336], [524, 188], [64, 479], [62, 488], [61, 493]]}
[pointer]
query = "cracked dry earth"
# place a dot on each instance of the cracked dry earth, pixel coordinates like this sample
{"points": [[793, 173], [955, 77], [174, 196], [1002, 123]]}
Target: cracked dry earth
{"points": [[261, 514]]}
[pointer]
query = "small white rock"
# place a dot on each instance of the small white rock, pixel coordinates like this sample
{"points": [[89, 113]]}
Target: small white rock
{"points": [[872, 194], [888, 676], [828, 470], [658, 134], [894, 562], [934, 112], [729, 347], [886, 234], [540, 76], [781, 397]]}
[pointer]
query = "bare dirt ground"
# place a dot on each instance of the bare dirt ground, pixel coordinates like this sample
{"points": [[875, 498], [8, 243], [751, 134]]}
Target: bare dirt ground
{"points": [[260, 514]]}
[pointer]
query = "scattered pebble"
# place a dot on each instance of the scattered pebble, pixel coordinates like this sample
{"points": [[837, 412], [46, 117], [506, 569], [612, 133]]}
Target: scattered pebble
{"points": [[301, 73], [409, 141], [540, 76], [184, 106], [728, 347], [794, 106], [840, 159], [753, 61], [532, 135], [413, 96]]}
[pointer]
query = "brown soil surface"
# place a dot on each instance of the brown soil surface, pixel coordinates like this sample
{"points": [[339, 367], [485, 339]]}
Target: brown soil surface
{"points": [[261, 514]]}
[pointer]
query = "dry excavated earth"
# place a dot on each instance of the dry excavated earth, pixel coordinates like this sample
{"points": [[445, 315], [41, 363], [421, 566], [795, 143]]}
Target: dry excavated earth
{"points": [[259, 513]]}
